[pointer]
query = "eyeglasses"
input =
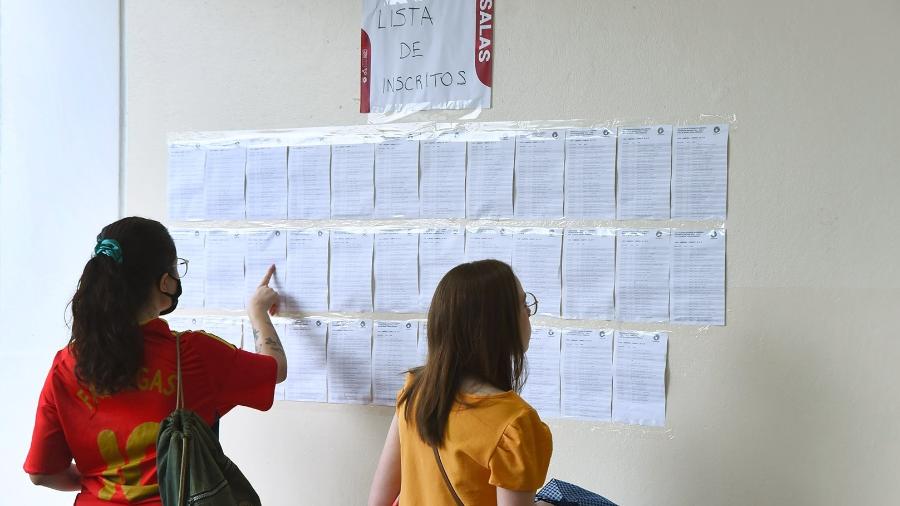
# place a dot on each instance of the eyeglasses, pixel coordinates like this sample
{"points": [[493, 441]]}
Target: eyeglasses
{"points": [[531, 303], [181, 265]]}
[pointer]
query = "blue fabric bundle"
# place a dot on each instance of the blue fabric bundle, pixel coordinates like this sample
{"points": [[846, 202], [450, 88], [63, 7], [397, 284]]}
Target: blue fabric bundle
{"points": [[565, 494]]}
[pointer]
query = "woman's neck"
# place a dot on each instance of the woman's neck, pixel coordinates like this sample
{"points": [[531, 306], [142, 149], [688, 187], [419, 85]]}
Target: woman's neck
{"points": [[473, 386]]}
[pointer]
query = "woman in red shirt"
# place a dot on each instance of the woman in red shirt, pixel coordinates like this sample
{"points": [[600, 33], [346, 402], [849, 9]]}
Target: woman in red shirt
{"points": [[111, 386]]}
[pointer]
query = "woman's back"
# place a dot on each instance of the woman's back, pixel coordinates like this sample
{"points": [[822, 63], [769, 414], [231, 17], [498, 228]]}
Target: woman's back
{"points": [[493, 440], [113, 438]]}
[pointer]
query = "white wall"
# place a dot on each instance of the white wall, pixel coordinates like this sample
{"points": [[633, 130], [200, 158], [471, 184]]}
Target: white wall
{"points": [[59, 184], [795, 401]]}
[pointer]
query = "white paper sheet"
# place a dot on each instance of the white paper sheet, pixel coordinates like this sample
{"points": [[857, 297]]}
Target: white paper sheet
{"points": [[639, 378], [190, 245], [186, 195], [224, 270], [267, 183], [249, 343], [540, 159], [306, 282], [304, 346], [309, 182], [397, 179], [700, 172], [223, 183], [489, 178], [228, 329], [178, 323], [587, 373], [350, 280], [591, 173], [642, 275], [397, 271], [264, 248], [645, 167], [443, 184], [352, 180], [483, 243], [440, 249], [350, 361], [698, 277], [542, 388], [393, 353], [422, 345], [589, 273], [536, 262]]}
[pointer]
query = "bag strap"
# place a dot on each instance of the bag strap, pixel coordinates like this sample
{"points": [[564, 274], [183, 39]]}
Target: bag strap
{"points": [[185, 441], [437, 457]]}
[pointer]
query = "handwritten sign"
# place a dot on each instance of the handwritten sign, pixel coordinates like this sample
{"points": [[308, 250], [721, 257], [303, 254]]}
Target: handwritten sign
{"points": [[426, 54]]}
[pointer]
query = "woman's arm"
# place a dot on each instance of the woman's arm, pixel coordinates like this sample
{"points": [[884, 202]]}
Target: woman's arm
{"points": [[263, 302], [507, 497], [68, 480], [386, 483]]}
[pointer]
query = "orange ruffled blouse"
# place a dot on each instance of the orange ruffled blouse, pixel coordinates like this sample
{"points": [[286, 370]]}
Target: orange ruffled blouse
{"points": [[495, 440]]}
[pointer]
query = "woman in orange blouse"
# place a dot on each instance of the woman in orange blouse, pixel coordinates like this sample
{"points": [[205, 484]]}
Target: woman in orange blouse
{"points": [[461, 410]]}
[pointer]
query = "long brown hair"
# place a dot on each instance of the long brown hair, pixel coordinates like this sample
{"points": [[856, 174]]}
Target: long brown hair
{"points": [[473, 332], [107, 341]]}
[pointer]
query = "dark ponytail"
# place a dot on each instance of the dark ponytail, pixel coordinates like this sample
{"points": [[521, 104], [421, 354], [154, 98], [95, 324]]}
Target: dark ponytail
{"points": [[107, 341]]}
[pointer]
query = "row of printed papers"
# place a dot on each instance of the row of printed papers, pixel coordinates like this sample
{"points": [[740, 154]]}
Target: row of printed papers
{"points": [[591, 374], [663, 172], [635, 275]]}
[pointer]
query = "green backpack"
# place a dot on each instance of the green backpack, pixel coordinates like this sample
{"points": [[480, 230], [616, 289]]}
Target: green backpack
{"points": [[191, 467]]}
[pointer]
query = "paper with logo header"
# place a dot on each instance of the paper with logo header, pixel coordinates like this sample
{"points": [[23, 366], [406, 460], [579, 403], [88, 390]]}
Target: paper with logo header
{"points": [[267, 183], [350, 280], [645, 168], [309, 181], [304, 346], [700, 172], [484, 243], [440, 249], [642, 275], [393, 353], [397, 179], [349, 361], [639, 378], [186, 195], [397, 271], [225, 269], [540, 160], [698, 277], [352, 183], [588, 273], [587, 373], [264, 249], [306, 280], [536, 257], [542, 388], [489, 178], [223, 183], [443, 184], [591, 173]]}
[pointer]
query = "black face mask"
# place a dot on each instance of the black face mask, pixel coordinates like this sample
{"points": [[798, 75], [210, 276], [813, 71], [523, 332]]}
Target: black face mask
{"points": [[174, 297]]}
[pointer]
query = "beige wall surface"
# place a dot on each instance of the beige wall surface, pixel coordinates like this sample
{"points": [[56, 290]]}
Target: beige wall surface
{"points": [[795, 401]]}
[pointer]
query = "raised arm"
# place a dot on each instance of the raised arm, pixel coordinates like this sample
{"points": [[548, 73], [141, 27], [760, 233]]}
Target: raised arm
{"points": [[263, 303]]}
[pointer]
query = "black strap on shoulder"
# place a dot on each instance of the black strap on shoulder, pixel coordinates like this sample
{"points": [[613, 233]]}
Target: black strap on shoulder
{"points": [[437, 457]]}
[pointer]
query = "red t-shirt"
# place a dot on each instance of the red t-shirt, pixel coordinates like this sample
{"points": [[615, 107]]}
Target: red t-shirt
{"points": [[113, 438]]}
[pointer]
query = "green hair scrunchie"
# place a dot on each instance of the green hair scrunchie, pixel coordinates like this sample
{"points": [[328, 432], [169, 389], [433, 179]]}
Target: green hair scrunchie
{"points": [[110, 248]]}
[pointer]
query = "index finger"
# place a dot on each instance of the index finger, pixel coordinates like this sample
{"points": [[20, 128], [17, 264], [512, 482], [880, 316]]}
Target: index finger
{"points": [[268, 276]]}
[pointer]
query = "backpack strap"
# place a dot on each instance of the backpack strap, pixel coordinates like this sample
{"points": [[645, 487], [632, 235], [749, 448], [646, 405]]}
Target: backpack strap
{"points": [[437, 457], [185, 441]]}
